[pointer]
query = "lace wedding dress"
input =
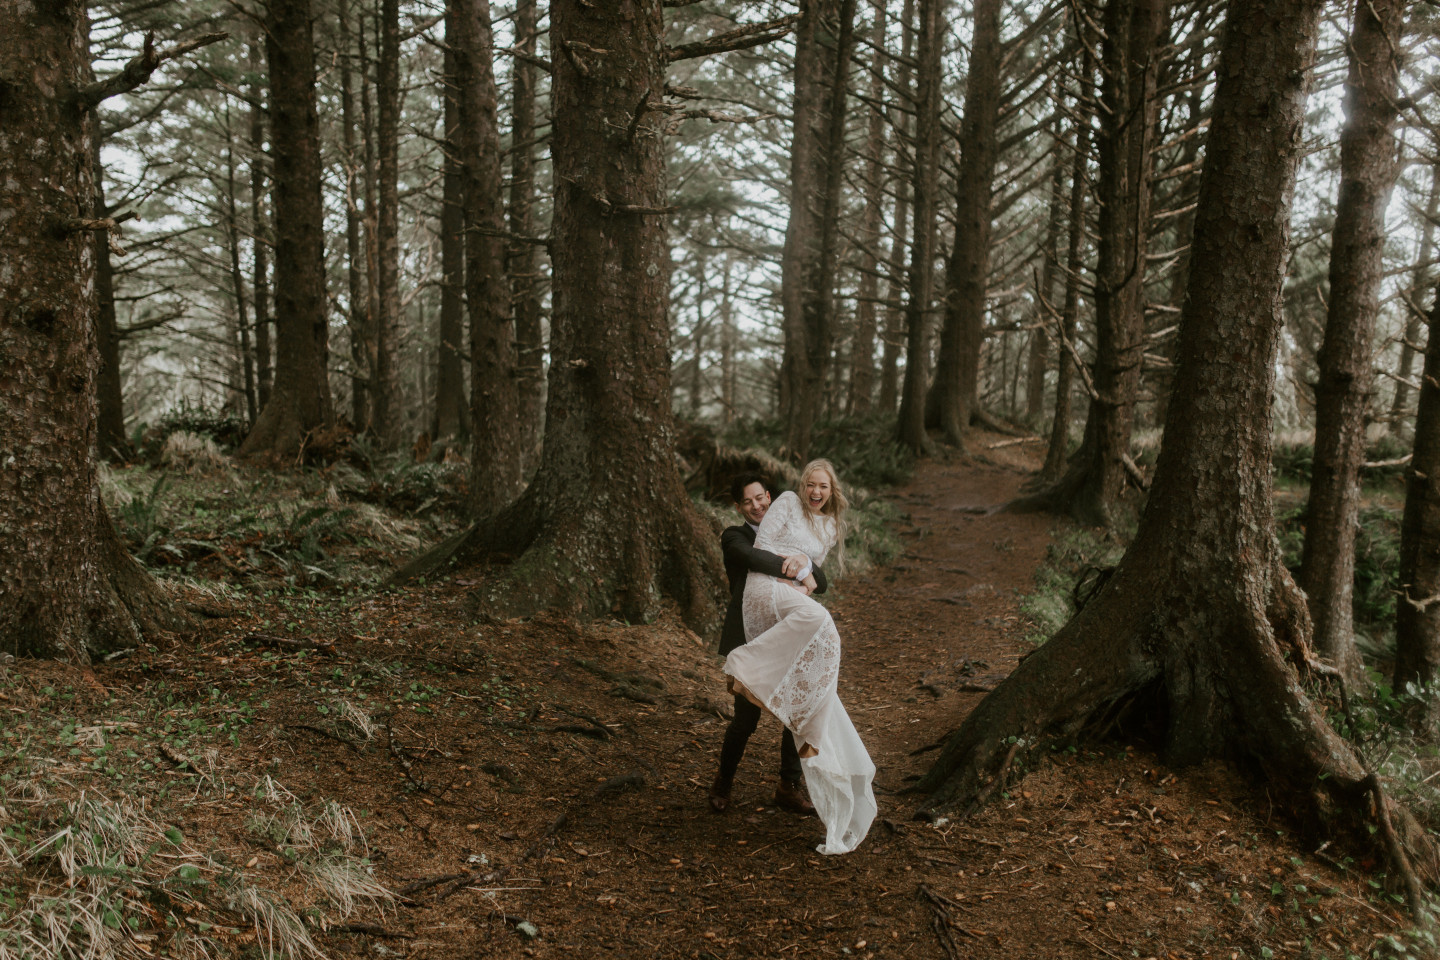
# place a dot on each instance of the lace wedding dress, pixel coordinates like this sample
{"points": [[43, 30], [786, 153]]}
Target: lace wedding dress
{"points": [[790, 665]]}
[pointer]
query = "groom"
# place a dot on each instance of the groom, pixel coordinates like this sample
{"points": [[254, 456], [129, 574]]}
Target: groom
{"points": [[751, 493]]}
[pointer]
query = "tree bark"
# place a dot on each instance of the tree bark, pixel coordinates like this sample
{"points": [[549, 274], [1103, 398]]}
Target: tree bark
{"points": [[895, 335], [522, 263], [385, 379], [237, 274], [605, 528], [260, 240], [1037, 357], [1368, 167], [1413, 316], [957, 368], [910, 431], [495, 470], [1200, 618], [1417, 615], [68, 589], [862, 348], [357, 314], [452, 414], [807, 263], [1095, 481], [299, 414]]}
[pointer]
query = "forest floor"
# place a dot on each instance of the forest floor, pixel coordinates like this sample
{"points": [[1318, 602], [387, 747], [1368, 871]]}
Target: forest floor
{"points": [[538, 788]]}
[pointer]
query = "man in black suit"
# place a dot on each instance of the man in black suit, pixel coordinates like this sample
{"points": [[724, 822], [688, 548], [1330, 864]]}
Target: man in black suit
{"points": [[751, 493]]}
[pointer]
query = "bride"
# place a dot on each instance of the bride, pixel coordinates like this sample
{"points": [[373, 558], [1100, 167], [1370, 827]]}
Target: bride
{"points": [[790, 662]]}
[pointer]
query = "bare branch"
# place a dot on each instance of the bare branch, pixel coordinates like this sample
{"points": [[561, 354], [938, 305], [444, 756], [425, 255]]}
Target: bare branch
{"points": [[137, 72], [750, 35]]}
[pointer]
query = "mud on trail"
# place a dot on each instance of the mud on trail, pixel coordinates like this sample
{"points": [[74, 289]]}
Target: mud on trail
{"points": [[537, 788]]}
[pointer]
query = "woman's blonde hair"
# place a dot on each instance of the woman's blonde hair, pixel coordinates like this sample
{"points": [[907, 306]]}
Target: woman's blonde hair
{"points": [[835, 507]]}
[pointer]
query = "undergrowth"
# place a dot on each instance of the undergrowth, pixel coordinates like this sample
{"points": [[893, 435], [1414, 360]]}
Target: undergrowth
{"points": [[863, 449]]}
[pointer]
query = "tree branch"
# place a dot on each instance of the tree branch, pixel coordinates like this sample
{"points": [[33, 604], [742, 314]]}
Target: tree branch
{"points": [[137, 72], [750, 35]]}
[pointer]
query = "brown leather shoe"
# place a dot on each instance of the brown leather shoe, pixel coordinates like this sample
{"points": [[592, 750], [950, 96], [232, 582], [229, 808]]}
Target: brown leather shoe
{"points": [[791, 796], [720, 795]]}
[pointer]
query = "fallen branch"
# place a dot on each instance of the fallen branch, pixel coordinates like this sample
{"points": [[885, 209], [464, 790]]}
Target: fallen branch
{"points": [[324, 733], [284, 643]]}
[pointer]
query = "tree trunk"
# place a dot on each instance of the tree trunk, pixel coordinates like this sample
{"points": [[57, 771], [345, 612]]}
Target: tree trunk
{"points": [[299, 414], [364, 356], [957, 369], [452, 414], [1200, 618], [862, 345], [385, 380], [605, 528], [911, 427], [895, 335], [1417, 615], [260, 240], [1368, 166], [237, 275], [495, 460], [68, 589], [1059, 448], [1413, 316], [522, 263], [728, 336], [1037, 357], [1092, 487], [110, 439], [807, 263], [357, 315]]}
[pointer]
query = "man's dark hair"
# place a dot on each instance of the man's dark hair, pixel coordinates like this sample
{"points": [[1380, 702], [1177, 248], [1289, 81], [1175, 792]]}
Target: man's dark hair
{"points": [[740, 481]]}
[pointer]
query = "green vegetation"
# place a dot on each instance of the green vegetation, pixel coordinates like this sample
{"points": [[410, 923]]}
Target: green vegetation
{"points": [[862, 448]]}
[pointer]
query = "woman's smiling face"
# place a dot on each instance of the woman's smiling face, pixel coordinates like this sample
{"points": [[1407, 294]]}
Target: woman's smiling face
{"points": [[816, 489]]}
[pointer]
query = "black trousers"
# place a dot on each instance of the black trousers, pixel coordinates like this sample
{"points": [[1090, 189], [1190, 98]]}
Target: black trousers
{"points": [[747, 715]]}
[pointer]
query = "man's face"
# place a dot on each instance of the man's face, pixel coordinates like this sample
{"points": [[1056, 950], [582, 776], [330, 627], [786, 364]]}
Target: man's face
{"points": [[754, 501]]}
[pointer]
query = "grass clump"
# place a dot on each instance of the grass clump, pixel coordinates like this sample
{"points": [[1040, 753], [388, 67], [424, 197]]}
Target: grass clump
{"points": [[1075, 557]]}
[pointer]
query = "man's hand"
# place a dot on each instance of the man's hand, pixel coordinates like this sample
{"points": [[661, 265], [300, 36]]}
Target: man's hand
{"points": [[793, 565]]}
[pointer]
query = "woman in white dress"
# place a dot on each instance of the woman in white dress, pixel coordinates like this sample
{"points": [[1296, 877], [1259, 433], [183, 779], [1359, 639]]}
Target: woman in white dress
{"points": [[790, 662]]}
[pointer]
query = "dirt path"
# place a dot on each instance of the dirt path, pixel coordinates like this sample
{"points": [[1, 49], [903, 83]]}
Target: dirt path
{"points": [[540, 785]]}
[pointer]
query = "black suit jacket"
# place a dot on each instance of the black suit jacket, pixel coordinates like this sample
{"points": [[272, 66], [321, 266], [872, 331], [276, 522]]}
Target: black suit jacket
{"points": [[738, 545]]}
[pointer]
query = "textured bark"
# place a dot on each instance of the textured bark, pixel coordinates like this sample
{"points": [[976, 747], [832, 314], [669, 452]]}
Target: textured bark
{"points": [[605, 528], [807, 263], [1417, 615], [1368, 166], [237, 276], [862, 345], [1200, 616], [895, 336], [385, 379], [925, 177], [957, 368], [452, 413], [1092, 487], [299, 412], [363, 352], [357, 314], [110, 437], [495, 459], [68, 589], [260, 237], [1037, 357], [1413, 317], [522, 262]]}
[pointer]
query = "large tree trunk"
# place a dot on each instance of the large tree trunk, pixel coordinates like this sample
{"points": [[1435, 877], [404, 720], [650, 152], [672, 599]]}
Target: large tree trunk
{"points": [[260, 239], [522, 263], [110, 438], [957, 369], [862, 344], [894, 331], [495, 459], [1201, 617], [68, 589], [1417, 615], [452, 414], [1368, 166], [807, 264], [605, 528], [910, 430], [385, 379], [299, 411], [1413, 315], [1092, 487]]}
